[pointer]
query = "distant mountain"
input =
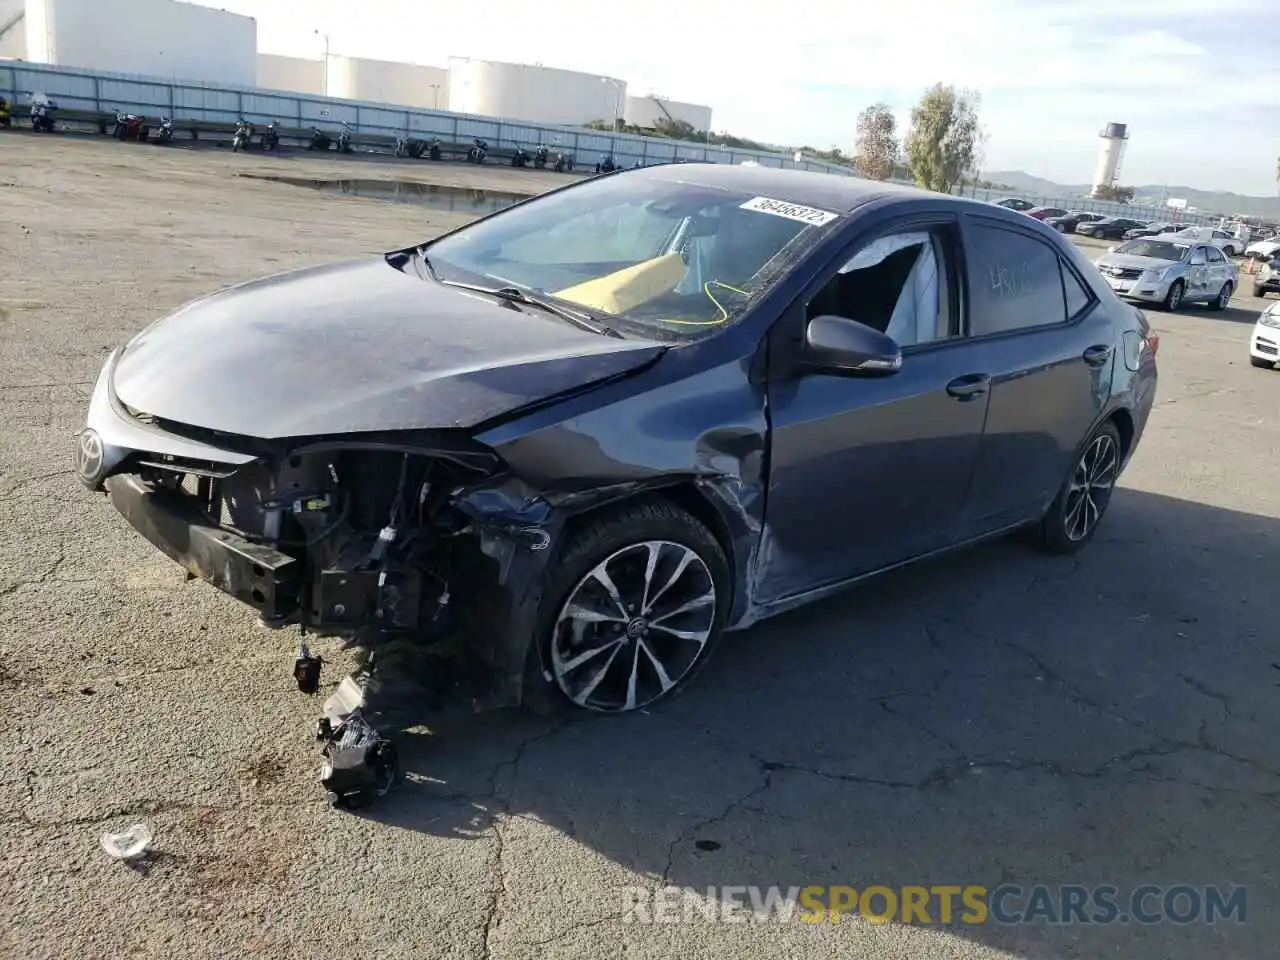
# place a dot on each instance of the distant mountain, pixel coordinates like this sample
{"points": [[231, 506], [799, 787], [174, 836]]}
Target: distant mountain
{"points": [[1227, 204]]}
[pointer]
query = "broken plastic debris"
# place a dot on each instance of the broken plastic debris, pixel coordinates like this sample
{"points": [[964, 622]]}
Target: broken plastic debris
{"points": [[127, 844]]}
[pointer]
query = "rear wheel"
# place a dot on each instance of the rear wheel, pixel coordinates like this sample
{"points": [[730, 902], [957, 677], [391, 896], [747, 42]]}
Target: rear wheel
{"points": [[630, 612], [1223, 298], [1073, 517]]}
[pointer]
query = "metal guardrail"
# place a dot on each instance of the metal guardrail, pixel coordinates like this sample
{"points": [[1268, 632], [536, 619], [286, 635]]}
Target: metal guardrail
{"points": [[181, 100]]}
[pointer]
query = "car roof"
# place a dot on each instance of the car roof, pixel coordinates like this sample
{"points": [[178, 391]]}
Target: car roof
{"points": [[805, 187]]}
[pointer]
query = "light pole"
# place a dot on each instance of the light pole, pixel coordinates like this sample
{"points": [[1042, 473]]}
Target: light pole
{"points": [[326, 59], [435, 96], [617, 99]]}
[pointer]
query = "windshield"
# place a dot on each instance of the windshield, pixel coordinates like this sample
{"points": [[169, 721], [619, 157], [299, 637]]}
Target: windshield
{"points": [[1159, 249], [675, 260]]}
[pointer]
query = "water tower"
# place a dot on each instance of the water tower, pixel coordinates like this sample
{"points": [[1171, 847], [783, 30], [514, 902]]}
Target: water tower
{"points": [[1111, 144]]}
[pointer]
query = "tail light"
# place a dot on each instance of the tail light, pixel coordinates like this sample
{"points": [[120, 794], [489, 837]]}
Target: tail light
{"points": [[1139, 346]]}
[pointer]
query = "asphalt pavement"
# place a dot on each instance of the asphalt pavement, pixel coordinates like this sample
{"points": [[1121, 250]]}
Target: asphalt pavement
{"points": [[994, 718]]}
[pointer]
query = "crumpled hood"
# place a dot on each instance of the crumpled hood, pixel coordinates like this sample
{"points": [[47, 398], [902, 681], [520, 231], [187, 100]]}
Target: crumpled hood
{"points": [[1133, 262], [355, 347]]}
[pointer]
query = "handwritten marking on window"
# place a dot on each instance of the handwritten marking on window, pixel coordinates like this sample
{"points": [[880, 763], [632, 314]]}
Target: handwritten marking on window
{"points": [[1010, 280]]}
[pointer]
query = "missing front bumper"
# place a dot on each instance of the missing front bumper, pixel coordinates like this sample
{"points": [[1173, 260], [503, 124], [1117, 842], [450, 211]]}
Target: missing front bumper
{"points": [[256, 575]]}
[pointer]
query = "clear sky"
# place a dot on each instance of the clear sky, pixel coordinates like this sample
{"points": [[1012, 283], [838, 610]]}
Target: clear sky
{"points": [[1196, 80]]}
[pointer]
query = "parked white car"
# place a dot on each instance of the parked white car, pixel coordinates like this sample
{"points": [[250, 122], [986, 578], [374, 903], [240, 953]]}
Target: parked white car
{"points": [[1264, 345], [1170, 272], [1230, 244], [1263, 249]]}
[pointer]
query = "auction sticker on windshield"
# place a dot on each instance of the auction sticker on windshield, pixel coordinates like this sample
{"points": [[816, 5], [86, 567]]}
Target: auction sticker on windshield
{"points": [[792, 211]]}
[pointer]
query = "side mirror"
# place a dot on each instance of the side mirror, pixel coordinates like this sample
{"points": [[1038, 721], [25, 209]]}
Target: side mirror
{"points": [[839, 344]]}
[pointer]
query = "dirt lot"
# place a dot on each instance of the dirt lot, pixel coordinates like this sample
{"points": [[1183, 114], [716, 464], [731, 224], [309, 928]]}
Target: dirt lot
{"points": [[997, 717]]}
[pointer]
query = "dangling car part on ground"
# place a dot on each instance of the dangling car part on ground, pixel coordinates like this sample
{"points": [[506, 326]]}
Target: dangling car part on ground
{"points": [[579, 439]]}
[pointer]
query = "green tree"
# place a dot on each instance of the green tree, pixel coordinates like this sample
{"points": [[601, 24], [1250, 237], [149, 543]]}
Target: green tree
{"points": [[945, 139], [1115, 193], [877, 142]]}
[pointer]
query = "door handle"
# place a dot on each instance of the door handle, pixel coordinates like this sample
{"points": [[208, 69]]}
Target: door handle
{"points": [[1096, 356], [968, 387]]}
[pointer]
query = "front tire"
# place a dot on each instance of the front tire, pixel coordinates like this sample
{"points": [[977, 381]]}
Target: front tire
{"points": [[1262, 362], [1259, 292], [630, 612], [1173, 299], [1073, 517]]}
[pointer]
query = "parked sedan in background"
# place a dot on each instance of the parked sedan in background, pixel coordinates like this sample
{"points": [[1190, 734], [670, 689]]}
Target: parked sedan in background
{"points": [[1015, 203], [1069, 222], [1264, 344], [1109, 228], [1044, 213], [1152, 230], [1168, 272]]}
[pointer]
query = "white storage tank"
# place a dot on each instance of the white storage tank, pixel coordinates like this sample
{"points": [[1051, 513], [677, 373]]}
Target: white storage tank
{"points": [[649, 113], [384, 81], [293, 74], [13, 29], [158, 38], [516, 91]]}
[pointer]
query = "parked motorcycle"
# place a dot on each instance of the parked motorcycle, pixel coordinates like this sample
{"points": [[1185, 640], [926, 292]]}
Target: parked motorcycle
{"points": [[605, 164], [130, 126], [319, 140], [42, 116], [540, 157], [243, 136], [271, 137], [520, 158], [344, 138], [564, 162], [479, 150], [165, 132], [6, 113], [410, 147], [433, 149]]}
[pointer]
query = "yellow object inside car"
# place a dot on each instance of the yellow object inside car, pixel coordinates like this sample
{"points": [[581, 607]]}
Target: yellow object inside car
{"points": [[626, 289]]}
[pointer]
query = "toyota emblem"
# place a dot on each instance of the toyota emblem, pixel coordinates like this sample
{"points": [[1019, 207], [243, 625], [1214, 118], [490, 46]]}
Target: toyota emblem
{"points": [[89, 456]]}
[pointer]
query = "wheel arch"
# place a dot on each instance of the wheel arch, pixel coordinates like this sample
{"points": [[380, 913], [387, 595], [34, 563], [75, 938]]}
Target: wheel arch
{"points": [[698, 500], [1123, 420]]}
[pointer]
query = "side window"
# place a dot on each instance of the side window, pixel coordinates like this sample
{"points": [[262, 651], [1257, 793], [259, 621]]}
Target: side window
{"points": [[1221, 235], [1214, 255], [895, 284], [1016, 282], [1078, 296]]}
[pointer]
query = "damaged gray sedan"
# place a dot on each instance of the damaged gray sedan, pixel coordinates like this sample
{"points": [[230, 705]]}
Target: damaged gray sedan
{"points": [[590, 433]]}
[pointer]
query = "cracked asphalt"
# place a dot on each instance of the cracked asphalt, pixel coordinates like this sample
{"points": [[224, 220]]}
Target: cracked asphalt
{"points": [[997, 717]]}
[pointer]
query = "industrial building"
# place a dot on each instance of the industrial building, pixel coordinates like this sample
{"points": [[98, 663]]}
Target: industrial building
{"points": [[534, 93], [291, 74], [651, 112], [178, 40], [158, 38], [382, 81]]}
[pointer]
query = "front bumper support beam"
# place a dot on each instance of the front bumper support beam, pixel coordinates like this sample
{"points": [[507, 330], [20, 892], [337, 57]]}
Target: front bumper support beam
{"points": [[254, 574]]}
